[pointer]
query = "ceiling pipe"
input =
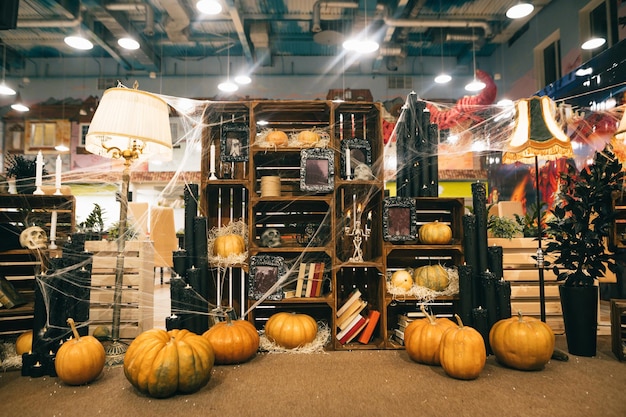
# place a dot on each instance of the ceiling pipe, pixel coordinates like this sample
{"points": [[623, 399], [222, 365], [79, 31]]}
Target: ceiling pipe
{"points": [[43, 23], [316, 25], [440, 24]]}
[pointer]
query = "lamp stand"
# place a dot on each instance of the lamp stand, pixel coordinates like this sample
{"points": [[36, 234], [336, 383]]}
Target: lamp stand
{"points": [[116, 350]]}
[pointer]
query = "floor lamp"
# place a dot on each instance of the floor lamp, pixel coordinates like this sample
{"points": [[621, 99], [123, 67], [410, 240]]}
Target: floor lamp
{"points": [[537, 134], [128, 124]]}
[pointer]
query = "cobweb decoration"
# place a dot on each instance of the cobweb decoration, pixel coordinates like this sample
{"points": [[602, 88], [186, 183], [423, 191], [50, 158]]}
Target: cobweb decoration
{"points": [[316, 346], [9, 359], [423, 293], [233, 228]]}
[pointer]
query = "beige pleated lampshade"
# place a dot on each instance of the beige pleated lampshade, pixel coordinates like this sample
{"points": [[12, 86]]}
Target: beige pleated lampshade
{"points": [[127, 117]]}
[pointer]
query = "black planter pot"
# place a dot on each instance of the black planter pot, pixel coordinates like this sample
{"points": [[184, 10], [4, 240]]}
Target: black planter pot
{"points": [[580, 315]]}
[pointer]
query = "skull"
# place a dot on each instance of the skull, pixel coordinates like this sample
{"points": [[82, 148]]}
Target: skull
{"points": [[271, 238], [362, 172], [33, 237]]}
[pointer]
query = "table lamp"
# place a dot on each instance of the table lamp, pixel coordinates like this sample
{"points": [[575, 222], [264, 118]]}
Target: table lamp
{"points": [[128, 124]]}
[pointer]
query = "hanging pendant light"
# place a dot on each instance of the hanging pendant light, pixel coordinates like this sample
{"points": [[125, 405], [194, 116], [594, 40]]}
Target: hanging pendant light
{"points": [[128, 43], [593, 43], [520, 10], [211, 7], [18, 105], [475, 84], [77, 40], [361, 43], [5, 90], [228, 86], [443, 77]]}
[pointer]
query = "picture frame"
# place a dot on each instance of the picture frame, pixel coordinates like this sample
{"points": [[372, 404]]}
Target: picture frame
{"points": [[360, 152], [234, 142], [399, 219], [317, 170], [265, 273]]}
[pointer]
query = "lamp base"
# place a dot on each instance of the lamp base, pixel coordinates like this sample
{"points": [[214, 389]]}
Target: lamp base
{"points": [[114, 353]]}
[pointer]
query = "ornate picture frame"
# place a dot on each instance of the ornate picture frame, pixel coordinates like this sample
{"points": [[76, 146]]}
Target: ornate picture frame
{"points": [[234, 142], [399, 219], [265, 274], [317, 170], [360, 153]]}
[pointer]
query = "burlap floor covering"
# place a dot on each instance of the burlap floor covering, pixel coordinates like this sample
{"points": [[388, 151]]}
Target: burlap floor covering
{"points": [[342, 384]]}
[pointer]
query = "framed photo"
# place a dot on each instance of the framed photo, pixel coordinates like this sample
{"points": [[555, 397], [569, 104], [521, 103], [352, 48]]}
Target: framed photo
{"points": [[265, 274], [360, 153], [317, 170], [234, 142], [399, 219]]}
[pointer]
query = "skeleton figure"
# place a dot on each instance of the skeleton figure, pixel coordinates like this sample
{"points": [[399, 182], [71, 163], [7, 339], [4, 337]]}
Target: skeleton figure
{"points": [[33, 237], [271, 238]]}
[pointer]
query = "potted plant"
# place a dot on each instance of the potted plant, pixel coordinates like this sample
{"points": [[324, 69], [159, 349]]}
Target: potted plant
{"points": [[503, 227], [24, 171], [93, 226], [578, 227]]}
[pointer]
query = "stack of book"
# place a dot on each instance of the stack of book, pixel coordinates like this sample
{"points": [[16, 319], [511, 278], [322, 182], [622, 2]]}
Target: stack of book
{"points": [[352, 322], [310, 281]]}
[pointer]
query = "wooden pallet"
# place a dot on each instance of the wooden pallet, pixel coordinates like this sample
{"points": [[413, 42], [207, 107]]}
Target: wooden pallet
{"points": [[138, 286]]}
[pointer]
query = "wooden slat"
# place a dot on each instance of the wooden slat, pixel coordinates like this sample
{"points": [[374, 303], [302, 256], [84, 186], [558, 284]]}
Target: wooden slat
{"points": [[532, 291]]}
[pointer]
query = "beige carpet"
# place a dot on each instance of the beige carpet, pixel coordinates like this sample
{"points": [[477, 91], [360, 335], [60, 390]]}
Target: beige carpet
{"points": [[342, 384]]}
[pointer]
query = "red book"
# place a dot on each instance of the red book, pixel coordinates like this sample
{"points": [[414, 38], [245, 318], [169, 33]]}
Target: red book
{"points": [[366, 335], [319, 278], [355, 326]]}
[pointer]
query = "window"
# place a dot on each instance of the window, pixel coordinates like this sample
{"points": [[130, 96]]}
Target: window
{"points": [[44, 135], [84, 129], [548, 60], [595, 20]]}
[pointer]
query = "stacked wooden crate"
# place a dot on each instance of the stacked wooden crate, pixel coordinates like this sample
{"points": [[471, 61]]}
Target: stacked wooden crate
{"points": [[137, 286]]}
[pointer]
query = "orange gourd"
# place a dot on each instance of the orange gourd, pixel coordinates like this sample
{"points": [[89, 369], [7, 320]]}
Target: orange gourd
{"points": [[291, 330], [161, 363], [308, 137], [79, 360], [226, 245], [24, 343], [422, 338], [462, 352], [524, 343], [277, 138], [435, 233], [434, 277], [233, 341]]}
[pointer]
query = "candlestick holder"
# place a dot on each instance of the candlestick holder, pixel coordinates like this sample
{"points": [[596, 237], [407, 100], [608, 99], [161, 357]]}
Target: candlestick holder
{"points": [[359, 234], [212, 175]]}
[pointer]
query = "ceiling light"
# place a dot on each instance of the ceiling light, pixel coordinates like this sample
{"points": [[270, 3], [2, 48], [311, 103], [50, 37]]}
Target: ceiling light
{"points": [[228, 86], [128, 43], [5, 90], [581, 72], [243, 79], [475, 85], [443, 78], [78, 42], [505, 102], [364, 46], [18, 105], [209, 7], [520, 10], [593, 43]]}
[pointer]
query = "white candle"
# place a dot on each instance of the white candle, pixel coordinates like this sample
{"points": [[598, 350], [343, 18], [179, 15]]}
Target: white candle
{"points": [[354, 209], [53, 226], [212, 157], [59, 167], [348, 163], [39, 171]]}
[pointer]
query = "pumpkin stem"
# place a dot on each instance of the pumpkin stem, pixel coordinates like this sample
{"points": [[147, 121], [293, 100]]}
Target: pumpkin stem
{"points": [[70, 321], [519, 316], [458, 319], [430, 317]]}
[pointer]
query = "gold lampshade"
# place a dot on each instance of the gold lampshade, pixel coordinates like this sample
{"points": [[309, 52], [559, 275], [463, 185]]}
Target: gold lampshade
{"points": [[536, 133], [130, 119]]}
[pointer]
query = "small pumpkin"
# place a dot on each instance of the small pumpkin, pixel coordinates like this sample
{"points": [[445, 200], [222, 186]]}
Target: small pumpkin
{"points": [[462, 351], [79, 360], [434, 277], [402, 279], [291, 330], [24, 343], [233, 341], [226, 245], [277, 138], [308, 137], [422, 337], [435, 233], [524, 343], [161, 363]]}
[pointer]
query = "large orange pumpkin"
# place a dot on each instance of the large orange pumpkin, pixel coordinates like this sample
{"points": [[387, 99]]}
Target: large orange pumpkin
{"points": [[226, 245], [462, 352], [435, 233], [233, 341], [422, 338], [291, 330], [79, 360], [434, 277], [308, 137], [524, 343], [161, 363]]}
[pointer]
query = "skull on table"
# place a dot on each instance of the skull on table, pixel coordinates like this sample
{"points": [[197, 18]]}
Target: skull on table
{"points": [[34, 237], [363, 172], [271, 238]]}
